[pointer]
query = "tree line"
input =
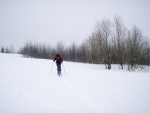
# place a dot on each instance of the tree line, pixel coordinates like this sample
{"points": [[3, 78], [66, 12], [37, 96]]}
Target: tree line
{"points": [[7, 49], [109, 43]]}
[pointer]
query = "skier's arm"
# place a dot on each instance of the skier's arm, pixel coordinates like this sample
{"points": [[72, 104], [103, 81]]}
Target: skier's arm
{"points": [[54, 59]]}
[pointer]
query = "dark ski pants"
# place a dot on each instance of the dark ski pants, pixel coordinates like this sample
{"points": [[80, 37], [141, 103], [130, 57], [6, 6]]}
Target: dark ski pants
{"points": [[58, 69]]}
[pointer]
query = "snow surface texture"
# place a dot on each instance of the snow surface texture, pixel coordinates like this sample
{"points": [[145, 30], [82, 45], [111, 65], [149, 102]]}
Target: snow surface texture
{"points": [[30, 85]]}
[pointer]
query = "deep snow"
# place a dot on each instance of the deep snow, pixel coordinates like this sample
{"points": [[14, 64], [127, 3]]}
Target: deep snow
{"points": [[30, 85]]}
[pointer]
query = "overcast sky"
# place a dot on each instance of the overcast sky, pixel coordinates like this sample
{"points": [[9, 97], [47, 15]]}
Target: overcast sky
{"points": [[50, 21]]}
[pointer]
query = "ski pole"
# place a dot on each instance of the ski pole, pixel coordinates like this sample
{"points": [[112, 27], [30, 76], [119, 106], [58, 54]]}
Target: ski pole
{"points": [[64, 69], [52, 67]]}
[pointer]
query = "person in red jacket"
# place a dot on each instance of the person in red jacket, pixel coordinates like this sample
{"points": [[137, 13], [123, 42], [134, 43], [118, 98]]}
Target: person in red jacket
{"points": [[59, 61]]}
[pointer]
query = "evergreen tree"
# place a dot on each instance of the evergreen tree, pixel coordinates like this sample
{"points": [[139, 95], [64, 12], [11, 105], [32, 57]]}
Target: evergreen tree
{"points": [[2, 49]]}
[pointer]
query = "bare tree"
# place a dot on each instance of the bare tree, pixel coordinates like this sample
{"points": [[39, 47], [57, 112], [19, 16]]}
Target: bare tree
{"points": [[72, 52], [135, 45], [60, 47], [106, 31], [83, 53], [119, 35]]}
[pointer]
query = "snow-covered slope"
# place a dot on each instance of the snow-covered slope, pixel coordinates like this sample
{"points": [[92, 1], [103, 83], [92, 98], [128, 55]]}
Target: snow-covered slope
{"points": [[32, 86]]}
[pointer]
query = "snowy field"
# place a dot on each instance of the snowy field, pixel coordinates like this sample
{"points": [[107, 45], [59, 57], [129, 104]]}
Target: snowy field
{"points": [[30, 85]]}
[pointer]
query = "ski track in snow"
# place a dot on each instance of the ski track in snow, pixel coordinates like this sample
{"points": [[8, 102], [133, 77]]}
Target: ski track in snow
{"points": [[82, 97], [32, 99], [43, 105]]}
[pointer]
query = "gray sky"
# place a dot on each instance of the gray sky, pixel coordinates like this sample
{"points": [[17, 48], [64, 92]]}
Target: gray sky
{"points": [[50, 21]]}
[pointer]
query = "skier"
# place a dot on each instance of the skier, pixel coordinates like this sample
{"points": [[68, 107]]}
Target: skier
{"points": [[58, 63]]}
